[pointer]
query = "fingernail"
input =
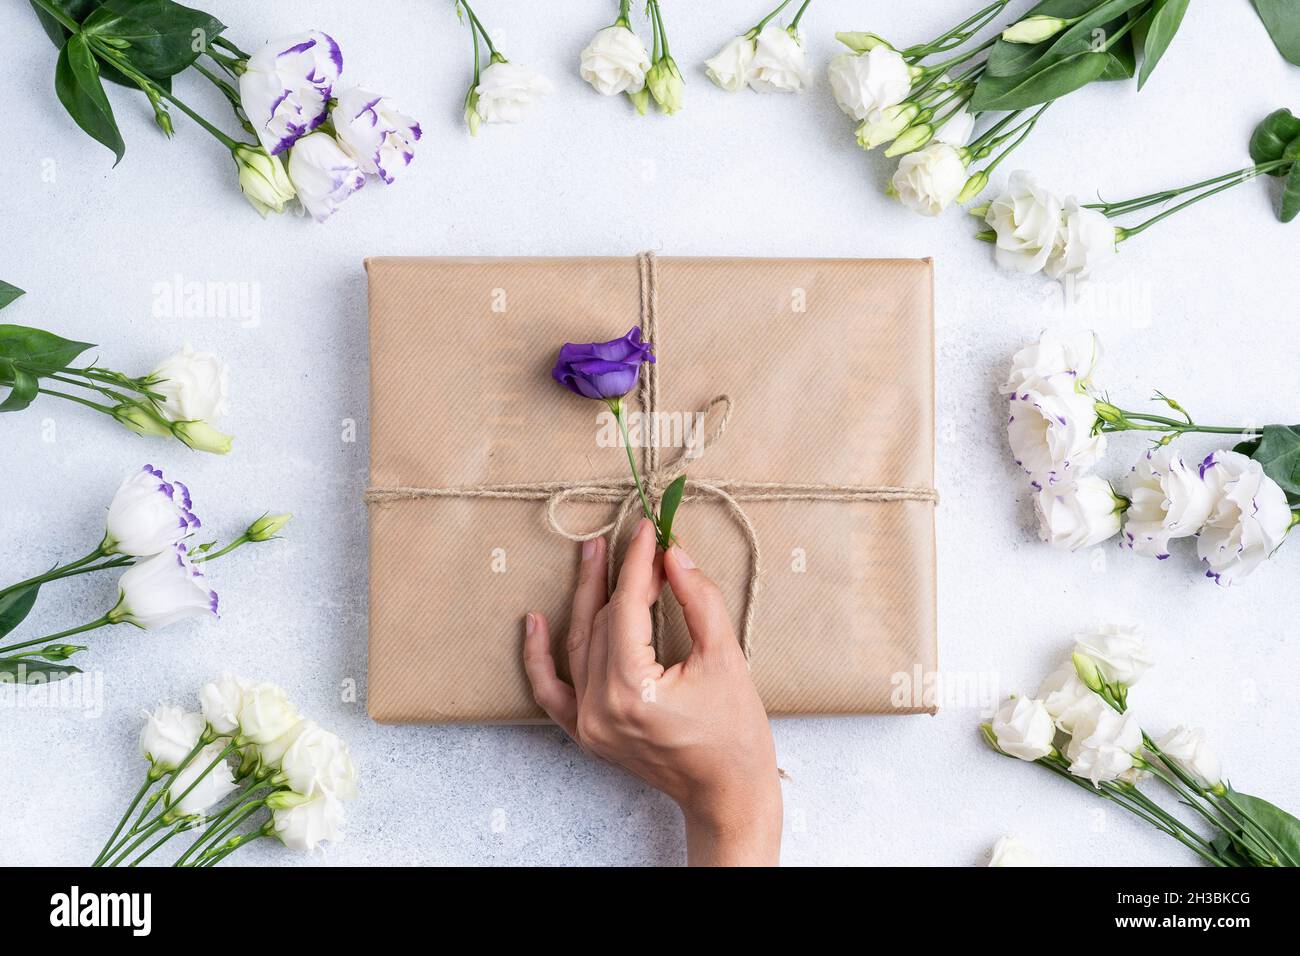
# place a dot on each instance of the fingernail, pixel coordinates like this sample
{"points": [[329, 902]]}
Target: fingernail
{"points": [[530, 624], [682, 558], [589, 549]]}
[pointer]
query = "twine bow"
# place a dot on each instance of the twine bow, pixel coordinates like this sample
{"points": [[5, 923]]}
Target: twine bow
{"points": [[656, 477]]}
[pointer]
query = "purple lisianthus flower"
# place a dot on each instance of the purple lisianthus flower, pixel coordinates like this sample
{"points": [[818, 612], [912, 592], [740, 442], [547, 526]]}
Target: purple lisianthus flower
{"points": [[603, 370], [286, 87]]}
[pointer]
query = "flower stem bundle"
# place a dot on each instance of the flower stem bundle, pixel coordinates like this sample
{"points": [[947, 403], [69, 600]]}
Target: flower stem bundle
{"points": [[1079, 728], [149, 523]]}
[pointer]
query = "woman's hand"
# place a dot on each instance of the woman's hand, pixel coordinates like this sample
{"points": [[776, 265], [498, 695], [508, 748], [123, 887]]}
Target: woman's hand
{"points": [[697, 731]]}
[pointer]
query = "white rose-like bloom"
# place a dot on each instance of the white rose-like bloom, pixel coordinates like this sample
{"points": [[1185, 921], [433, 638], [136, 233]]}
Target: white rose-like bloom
{"points": [[272, 752], [1011, 851], [319, 762], [286, 88], [729, 67], [323, 174], [1103, 745], [506, 91], [1051, 434], [1188, 748], [1067, 698], [1118, 651], [218, 783], [148, 514], [615, 61], [1086, 242], [221, 701], [869, 82], [374, 132], [780, 63], [1024, 729], [1249, 521], [162, 590], [929, 180], [1066, 361], [306, 825], [1168, 499], [194, 386], [267, 713], [957, 129], [1078, 514], [169, 735], [1027, 220]]}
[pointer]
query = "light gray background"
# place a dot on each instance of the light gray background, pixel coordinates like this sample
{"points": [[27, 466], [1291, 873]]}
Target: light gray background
{"points": [[1213, 324]]}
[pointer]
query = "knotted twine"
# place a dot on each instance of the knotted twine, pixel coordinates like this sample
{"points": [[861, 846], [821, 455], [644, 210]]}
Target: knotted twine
{"points": [[656, 477]]}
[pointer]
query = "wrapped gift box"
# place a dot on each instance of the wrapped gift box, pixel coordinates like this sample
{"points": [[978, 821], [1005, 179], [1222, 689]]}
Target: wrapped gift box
{"points": [[829, 368]]}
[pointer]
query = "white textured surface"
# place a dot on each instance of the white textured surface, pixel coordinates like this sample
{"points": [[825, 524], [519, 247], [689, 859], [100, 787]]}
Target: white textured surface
{"points": [[731, 174]]}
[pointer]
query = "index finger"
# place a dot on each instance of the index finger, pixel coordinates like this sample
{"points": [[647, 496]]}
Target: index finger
{"points": [[636, 577]]}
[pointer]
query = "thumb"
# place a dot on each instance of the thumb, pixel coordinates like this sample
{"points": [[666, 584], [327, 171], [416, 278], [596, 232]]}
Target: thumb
{"points": [[702, 604]]}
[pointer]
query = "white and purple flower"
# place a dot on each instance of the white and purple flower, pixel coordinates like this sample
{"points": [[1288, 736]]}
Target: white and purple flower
{"points": [[375, 133], [1168, 499], [323, 174], [161, 590], [1078, 514], [148, 514], [1249, 520], [286, 88], [1053, 433]]}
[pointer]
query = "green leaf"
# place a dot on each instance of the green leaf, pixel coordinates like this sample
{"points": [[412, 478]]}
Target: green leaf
{"points": [[39, 348], [22, 387], [8, 293], [23, 670], [160, 37], [1278, 451], [668, 505], [1270, 140], [1008, 59], [76, 80], [15, 606], [1165, 19], [1276, 822], [1098, 21], [1014, 93], [1123, 60], [1282, 20]]}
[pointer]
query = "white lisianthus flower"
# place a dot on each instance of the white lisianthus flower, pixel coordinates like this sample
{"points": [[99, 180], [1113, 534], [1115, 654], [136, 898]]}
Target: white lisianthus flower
{"points": [[286, 88], [262, 179], [305, 826], [204, 789], [1249, 520], [506, 92], [1078, 514], [615, 61], [929, 180], [162, 590], [374, 132], [272, 752], [317, 762], [729, 67], [1065, 361], [864, 84], [1117, 652], [1051, 434], [1103, 745], [1023, 728], [147, 515], [323, 174], [221, 701], [194, 386], [1067, 698], [1027, 220], [169, 735], [1086, 242], [780, 61], [1169, 499], [1011, 851], [957, 129], [266, 713], [1190, 751]]}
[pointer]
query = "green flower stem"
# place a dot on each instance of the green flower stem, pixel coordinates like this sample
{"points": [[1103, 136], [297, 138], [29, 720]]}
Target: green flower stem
{"points": [[76, 398], [616, 406], [1284, 854], [215, 841], [1160, 423], [230, 93], [64, 20], [101, 622], [144, 788], [962, 58], [794, 23], [57, 572], [653, 5], [180, 827], [989, 134], [1027, 127], [961, 32], [154, 826], [242, 539], [153, 776], [758, 27], [264, 830], [215, 824], [226, 752], [221, 43], [1190, 795], [476, 26], [1127, 233], [1154, 199]]}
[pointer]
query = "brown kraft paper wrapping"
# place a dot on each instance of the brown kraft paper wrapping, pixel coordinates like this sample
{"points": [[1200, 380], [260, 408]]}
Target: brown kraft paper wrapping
{"points": [[829, 364]]}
